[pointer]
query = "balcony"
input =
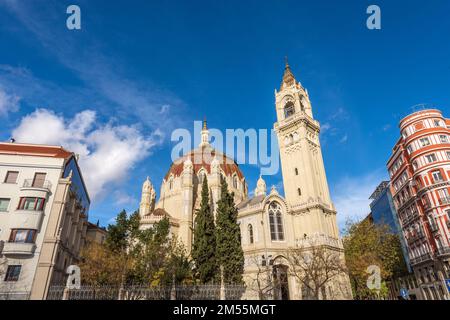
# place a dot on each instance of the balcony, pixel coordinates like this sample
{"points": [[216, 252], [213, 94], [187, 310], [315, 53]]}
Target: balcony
{"points": [[421, 258], [445, 200], [41, 184], [26, 219], [443, 251], [434, 227], [415, 236], [18, 248], [409, 219], [33, 188]]}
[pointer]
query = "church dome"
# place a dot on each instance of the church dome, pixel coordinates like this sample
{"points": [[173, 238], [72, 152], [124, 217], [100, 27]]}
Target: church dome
{"points": [[202, 158]]}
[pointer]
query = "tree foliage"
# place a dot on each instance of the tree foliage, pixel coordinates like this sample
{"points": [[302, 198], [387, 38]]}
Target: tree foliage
{"points": [[204, 244], [100, 266], [131, 256], [369, 244], [229, 248], [314, 267]]}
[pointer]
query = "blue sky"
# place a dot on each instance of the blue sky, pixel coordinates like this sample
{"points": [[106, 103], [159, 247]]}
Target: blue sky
{"points": [[116, 89]]}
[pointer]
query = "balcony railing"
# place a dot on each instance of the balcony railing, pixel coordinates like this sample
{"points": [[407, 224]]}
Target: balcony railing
{"points": [[40, 184], [18, 248], [319, 240], [27, 219], [445, 200], [421, 258], [415, 236], [434, 227], [443, 251]]}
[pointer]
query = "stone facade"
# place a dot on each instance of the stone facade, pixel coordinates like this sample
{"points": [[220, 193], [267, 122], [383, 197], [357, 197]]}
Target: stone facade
{"points": [[270, 223]]}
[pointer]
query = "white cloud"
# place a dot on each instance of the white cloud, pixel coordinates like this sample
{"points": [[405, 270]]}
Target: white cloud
{"points": [[351, 195], [107, 152], [325, 127], [8, 103], [122, 198], [344, 139], [103, 75]]}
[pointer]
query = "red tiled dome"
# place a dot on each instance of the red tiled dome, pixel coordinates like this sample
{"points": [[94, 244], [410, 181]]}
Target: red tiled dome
{"points": [[201, 159]]}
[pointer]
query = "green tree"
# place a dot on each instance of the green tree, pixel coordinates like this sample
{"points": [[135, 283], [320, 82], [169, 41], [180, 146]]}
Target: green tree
{"points": [[100, 266], [121, 239], [365, 244], [229, 248], [204, 246], [121, 235], [151, 253]]}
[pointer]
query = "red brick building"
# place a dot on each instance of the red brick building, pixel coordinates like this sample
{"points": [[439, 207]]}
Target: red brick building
{"points": [[419, 168]]}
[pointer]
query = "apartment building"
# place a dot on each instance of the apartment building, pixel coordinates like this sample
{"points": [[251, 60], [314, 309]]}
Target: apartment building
{"points": [[95, 233], [43, 218], [419, 168]]}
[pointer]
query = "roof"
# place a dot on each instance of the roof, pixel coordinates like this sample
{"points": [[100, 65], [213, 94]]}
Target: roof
{"points": [[93, 226], [34, 150], [381, 187], [200, 159], [160, 212], [251, 202]]}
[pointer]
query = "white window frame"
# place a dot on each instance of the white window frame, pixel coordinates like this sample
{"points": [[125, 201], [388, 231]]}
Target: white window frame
{"points": [[423, 143], [443, 138], [437, 176], [431, 155], [7, 206]]}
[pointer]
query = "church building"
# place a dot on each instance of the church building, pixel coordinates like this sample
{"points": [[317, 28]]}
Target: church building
{"points": [[270, 223]]}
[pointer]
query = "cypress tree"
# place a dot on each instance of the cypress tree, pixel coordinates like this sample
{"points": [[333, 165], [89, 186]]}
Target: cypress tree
{"points": [[204, 246], [229, 249]]}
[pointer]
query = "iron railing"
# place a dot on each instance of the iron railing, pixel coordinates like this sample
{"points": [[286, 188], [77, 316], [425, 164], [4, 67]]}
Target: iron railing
{"points": [[443, 251], [421, 258], [136, 292], [31, 183]]}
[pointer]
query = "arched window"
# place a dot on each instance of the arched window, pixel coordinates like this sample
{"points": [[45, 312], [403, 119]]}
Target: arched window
{"points": [[171, 183], [250, 234], [235, 182], [289, 110], [275, 222]]}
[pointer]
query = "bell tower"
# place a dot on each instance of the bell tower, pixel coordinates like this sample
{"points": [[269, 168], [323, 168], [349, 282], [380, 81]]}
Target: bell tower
{"points": [[304, 179]]}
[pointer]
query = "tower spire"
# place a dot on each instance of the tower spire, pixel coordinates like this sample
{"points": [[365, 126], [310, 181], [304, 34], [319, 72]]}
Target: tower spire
{"points": [[288, 76], [205, 134]]}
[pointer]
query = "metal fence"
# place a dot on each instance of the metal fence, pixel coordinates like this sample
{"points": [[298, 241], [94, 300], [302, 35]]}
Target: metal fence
{"points": [[180, 292]]}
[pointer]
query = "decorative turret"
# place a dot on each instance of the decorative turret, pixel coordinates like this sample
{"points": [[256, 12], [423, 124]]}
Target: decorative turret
{"points": [[261, 187], [215, 165], [188, 166], [188, 173], [288, 77], [273, 191], [147, 199], [205, 135]]}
